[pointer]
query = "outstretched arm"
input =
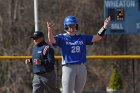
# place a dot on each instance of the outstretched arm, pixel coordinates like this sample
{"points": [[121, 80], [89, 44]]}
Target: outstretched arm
{"points": [[50, 33], [101, 32]]}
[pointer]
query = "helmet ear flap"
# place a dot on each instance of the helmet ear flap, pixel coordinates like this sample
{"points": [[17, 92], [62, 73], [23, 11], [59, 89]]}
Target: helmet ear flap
{"points": [[65, 27], [76, 26]]}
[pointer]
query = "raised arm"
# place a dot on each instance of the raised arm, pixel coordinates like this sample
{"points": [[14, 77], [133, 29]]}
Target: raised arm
{"points": [[101, 32], [50, 33]]}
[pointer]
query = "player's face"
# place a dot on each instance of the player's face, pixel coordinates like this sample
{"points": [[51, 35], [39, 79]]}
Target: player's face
{"points": [[72, 29], [38, 40]]}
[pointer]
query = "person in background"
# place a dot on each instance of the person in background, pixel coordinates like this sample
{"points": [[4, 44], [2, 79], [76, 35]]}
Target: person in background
{"points": [[44, 80], [73, 51]]}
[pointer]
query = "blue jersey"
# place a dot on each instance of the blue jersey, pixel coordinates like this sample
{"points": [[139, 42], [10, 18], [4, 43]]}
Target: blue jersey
{"points": [[73, 48]]}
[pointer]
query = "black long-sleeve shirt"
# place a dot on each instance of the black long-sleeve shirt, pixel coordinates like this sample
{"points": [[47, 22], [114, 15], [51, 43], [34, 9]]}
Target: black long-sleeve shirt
{"points": [[42, 58]]}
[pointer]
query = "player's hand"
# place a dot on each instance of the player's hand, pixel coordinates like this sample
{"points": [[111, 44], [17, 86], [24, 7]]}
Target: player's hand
{"points": [[106, 22], [27, 61], [50, 26]]}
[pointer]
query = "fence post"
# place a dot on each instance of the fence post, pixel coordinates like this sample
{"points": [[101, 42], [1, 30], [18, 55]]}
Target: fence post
{"points": [[57, 72], [133, 71]]}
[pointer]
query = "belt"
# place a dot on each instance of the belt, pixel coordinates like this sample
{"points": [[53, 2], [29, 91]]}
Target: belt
{"points": [[75, 63], [40, 73]]}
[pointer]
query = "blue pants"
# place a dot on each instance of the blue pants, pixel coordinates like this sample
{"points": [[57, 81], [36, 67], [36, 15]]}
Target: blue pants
{"points": [[45, 83], [73, 78]]}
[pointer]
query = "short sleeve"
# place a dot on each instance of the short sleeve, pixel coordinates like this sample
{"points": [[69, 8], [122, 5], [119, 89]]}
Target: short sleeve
{"points": [[88, 39], [58, 40]]}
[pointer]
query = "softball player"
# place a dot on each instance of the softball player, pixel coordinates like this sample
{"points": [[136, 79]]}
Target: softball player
{"points": [[73, 50]]}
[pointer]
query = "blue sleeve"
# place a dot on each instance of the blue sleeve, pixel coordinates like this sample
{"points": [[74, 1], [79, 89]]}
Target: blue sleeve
{"points": [[88, 39], [58, 39]]}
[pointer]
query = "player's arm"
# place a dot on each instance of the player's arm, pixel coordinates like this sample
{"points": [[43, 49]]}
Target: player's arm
{"points": [[50, 33], [50, 55], [101, 32]]}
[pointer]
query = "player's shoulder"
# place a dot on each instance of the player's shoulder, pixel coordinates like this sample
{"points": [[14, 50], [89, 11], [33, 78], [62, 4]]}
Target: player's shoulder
{"points": [[59, 35], [65, 34], [62, 35], [84, 35], [47, 47]]}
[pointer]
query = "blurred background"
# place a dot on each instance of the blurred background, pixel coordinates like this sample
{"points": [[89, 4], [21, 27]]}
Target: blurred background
{"points": [[17, 25]]}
